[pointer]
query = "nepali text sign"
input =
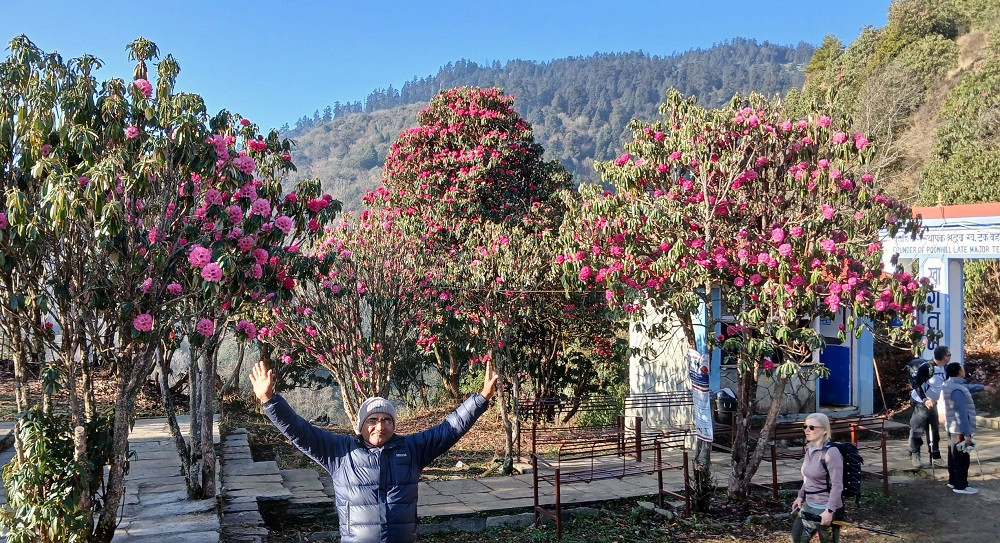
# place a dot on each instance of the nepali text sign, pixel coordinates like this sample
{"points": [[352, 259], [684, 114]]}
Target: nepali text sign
{"points": [[950, 240]]}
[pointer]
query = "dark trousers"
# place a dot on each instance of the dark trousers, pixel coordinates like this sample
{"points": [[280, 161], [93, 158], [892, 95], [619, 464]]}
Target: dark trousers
{"points": [[958, 464], [921, 419], [804, 530]]}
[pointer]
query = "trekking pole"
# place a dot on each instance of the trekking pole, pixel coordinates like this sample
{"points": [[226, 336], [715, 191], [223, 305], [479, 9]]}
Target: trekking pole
{"points": [[843, 523], [868, 528], [982, 477], [930, 450]]}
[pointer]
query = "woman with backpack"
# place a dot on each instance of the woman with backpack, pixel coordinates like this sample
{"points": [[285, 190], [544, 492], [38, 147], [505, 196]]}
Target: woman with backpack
{"points": [[820, 498]]}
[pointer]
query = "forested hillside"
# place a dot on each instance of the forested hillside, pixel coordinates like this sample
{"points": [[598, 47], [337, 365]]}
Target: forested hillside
{"points": [[926, 87], [578, 107]]}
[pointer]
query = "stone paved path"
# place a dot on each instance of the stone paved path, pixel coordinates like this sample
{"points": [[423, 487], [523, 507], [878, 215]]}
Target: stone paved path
{"points": [[157, 507], [5, 457], [156, 503]]}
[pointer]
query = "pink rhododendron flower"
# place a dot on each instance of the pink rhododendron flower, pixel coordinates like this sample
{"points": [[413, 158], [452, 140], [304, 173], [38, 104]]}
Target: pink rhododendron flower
{"points": [[919, 328], [777, 235], [3, 221], [245, 243], [46, 150], [827, 244], [131, 132], [205, 327], [823, 121], [257, 145], [838, 138], [248, 191], [795, 231], [247, 328], [143, 322], [768, 365], [860, 141], [213, 197], [212, 273], [199, 256], [146, 285], [261, 207], [284, 224], [245, 164], [144, 86], [785, 250], [175, 288], [261, 256], [828, 211], [235, 214]]}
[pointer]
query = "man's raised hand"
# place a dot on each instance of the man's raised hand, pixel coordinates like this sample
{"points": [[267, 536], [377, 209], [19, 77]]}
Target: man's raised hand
{"points": [[262, 380], [490, 378]]}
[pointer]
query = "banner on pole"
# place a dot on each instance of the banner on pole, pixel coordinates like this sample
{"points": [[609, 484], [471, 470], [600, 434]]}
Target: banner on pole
{"points": [[698, 365]]}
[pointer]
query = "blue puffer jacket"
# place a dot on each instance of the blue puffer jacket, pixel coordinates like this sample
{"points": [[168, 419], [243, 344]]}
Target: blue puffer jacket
{"points": [[376, 488]]}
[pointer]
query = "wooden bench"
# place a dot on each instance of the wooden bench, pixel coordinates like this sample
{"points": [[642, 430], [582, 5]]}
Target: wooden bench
{"points": [[588, 459], [666, 405], [550, 420]]}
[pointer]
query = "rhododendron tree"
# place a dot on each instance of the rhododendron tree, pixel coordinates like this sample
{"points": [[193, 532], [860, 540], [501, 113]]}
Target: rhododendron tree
{"points": [[240, 260], [473, 175], [777, 215], [128, 213], [355, 314], [471, 160]]}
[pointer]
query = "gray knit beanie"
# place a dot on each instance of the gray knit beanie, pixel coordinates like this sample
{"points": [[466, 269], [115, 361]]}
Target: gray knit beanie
{"points": [[375, 405]]}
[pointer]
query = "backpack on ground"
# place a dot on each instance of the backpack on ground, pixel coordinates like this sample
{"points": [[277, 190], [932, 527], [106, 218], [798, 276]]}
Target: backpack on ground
{"points": [[852, 469]]}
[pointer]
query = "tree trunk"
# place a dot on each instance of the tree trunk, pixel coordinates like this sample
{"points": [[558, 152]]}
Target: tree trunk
{"points": [[746, 460], [167, 398], [233, 383], [451, 379], [508, 427], [22, 393], [115, 490], [194, 430], [208, 377]]}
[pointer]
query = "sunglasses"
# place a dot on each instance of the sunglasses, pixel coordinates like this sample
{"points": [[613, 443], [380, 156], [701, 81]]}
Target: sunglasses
{"points": [[809, 427]]}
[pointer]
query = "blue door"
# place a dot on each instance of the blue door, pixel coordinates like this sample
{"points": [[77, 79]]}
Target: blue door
{"points": [[836, 389]]}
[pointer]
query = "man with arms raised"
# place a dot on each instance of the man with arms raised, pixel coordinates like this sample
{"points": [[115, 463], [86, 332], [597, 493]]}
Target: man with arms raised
{"points": [[375, 473]]}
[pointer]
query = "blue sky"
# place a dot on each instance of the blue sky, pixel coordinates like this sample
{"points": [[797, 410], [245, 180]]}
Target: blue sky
{"points": [[276, 61]]}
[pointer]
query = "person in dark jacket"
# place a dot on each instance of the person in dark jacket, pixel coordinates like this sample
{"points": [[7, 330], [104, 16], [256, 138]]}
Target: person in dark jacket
{"points": [[375, 474], [926, 386]]}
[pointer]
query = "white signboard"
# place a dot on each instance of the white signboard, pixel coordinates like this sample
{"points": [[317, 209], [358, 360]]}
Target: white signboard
{"points": [[952, 240]]}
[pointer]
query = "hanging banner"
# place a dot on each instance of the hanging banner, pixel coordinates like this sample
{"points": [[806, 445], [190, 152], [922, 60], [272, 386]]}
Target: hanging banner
{"points": [[698, 365]]}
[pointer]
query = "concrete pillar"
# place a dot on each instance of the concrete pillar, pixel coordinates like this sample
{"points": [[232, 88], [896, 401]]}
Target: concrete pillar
{"points": [[948, 301]]}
